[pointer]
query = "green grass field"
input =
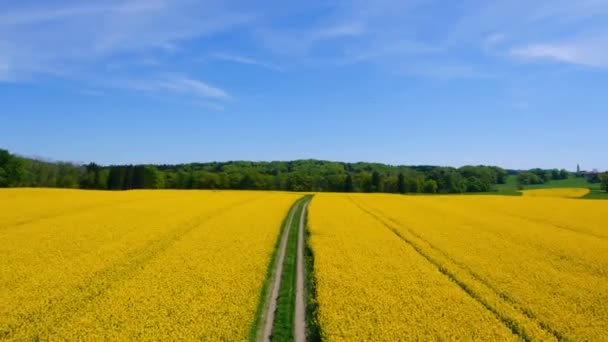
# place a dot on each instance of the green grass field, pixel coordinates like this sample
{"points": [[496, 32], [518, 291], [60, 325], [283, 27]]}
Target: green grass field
{"points": [[571, 182], [597, 194], [509, 188]]}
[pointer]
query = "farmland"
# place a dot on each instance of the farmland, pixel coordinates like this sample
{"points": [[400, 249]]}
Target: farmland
{"points": [[277, 266], [460, 267], [557, 192], [510, 187], [151, 265]]}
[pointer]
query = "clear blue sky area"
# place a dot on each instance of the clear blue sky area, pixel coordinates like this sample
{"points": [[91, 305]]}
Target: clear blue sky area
{"points": [[513, 83]]}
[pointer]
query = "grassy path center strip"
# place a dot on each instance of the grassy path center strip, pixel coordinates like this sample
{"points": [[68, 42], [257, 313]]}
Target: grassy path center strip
{"points": [[282, 328], [262, 326], [300, 305]]}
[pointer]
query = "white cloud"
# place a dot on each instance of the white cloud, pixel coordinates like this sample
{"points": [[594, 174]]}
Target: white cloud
{"points": [[56, 35], [300, 42], [177, 84], [66, 37], [186, 85], [39, 15], [352, 29], [587, 53], [245, 60], [553, 30]]}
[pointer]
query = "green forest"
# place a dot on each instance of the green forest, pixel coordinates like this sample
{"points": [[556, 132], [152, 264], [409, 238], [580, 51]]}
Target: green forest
{"points": [[298, 175]]}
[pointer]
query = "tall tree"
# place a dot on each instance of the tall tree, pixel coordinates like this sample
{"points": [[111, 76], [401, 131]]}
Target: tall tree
{"points": [[430, 186], [348, 184], [604, 181], [12, 170], [376, 181], [401, 183], [363, 181]]}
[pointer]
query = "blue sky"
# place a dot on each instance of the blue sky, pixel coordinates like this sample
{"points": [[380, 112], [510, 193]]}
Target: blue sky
{"points": [[513, 83]]}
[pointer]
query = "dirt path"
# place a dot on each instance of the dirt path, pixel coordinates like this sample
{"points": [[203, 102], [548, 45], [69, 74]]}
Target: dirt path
{"points": [[276, 281], [299, 323]]}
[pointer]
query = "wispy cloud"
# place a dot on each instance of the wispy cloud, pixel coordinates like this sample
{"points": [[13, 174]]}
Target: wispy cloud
{"points": [[186, 85], [246, 60], [552, 30], [64, 38], [300, 43], [341, 30], [38, 15], [52, 35], [587, 53], [174, 83]]}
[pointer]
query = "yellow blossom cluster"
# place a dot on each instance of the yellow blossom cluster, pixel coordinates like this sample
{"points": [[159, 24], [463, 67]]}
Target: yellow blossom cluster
{"points": [[538, 265], [557, 192], [135, 265]]}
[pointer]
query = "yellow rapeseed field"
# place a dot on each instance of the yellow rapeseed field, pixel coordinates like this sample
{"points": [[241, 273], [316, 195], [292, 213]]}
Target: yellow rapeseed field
{"points": [[557, 192], [189, 265], [537, 265], [371, 286], [137, 265]]}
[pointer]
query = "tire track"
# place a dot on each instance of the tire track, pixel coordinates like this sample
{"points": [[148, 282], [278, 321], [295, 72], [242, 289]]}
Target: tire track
{"points": [[521, 321], [300, 314], [271, 302]]}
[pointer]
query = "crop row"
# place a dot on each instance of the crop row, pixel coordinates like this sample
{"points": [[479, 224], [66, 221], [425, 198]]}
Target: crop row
{"points": [[151, 265], [539, 264]]}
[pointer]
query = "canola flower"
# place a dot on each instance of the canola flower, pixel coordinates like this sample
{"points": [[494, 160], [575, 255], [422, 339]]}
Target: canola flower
{"points": [[539, 263], [557, 192], [371, 286], [136, 265]]}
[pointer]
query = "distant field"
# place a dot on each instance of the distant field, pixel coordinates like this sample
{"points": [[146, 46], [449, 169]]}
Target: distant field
{"points": [[510, 188], [557, 192], [571, 182], [460, 267], [597, 194]]}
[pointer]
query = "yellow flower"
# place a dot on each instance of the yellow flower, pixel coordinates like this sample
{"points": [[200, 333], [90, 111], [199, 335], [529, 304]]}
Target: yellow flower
{"points": [[393, 267], [136, 265], [557, 192]]}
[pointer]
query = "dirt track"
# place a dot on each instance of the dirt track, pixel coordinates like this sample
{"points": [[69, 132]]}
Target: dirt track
{"points": [[276, 281], [299, 324], [300, 315]]}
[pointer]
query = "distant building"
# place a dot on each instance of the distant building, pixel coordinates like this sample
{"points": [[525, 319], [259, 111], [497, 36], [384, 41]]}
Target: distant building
{"points": [[592, 176]]}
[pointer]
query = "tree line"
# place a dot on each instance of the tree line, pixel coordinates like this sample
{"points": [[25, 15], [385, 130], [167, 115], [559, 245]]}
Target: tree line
{"points": [[299, 175], [604, 181], [540, 176]]}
